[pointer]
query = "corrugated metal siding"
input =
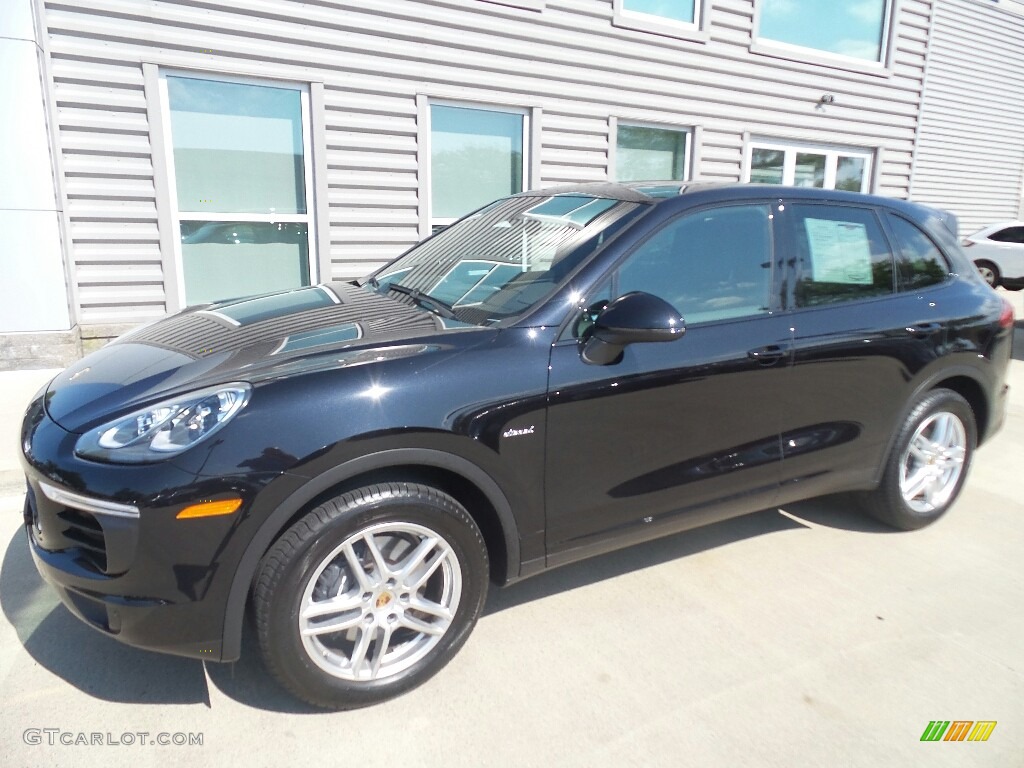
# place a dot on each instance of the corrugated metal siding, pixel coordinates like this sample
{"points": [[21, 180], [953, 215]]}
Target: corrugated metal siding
{"points": [[970, 153], [375, 57]]}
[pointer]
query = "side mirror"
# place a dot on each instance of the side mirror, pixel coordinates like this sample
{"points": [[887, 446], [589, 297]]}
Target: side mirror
{"points": [[634, 318]]}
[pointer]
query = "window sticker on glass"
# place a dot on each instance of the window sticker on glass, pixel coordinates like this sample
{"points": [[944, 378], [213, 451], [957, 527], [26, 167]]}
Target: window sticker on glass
{"points": [[840, 251]]}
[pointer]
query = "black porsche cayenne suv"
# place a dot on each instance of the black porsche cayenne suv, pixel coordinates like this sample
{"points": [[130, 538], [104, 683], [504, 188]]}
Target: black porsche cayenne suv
{"points": [[559, 374]]}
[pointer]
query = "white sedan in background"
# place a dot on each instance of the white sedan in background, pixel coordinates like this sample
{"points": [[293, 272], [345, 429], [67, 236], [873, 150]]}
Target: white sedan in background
{"points": [[998, 253]]}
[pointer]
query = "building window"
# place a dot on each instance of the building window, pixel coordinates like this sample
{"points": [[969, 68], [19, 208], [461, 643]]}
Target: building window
{"points": [[855, 30], [476, 155], [809, 166], [240, 175], [651, 153], [675, 18]]}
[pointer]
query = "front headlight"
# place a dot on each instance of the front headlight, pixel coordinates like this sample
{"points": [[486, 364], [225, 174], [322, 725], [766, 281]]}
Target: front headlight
{"points": [[166, 428]]}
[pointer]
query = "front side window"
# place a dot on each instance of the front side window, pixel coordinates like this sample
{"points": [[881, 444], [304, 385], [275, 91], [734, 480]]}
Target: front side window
{"points": [[809, 166], [476, 155], [854, 30], [505, 258], [643, 152], [714, 264], [241, 186], [920, 262], [842, 255]]}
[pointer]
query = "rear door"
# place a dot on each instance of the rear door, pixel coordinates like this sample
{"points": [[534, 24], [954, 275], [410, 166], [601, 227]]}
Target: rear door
{"points": [[865, 324]]}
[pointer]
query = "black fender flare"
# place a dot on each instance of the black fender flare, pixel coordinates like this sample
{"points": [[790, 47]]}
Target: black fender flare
{"points": [[926, 385], [234, 614]]}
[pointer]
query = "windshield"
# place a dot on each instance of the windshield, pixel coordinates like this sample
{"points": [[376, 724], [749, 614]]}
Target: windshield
{"points": [[505, 258]]}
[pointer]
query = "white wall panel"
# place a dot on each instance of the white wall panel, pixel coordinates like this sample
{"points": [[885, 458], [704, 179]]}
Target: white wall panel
{"points": [[970, 148], [375, 58]]}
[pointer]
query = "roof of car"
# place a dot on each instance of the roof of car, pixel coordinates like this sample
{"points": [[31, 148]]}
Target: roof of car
{"points": [[655, 191]]}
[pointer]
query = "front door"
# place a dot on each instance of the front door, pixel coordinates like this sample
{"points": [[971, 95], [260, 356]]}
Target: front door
{"points": [[674, 433]]}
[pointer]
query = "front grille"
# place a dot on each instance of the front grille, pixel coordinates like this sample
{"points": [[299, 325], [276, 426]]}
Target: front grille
{"points": [[84, 531]]}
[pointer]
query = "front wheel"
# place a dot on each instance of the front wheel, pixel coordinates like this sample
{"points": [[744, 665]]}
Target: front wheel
{"points": [[370, 594], [928, 464]]}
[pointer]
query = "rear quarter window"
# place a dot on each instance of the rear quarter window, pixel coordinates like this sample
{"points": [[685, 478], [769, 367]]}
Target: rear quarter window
{"points": [[919, 261], [1008, 235]]}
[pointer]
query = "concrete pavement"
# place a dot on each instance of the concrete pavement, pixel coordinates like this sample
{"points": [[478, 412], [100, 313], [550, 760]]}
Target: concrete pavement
{"points": [[792, 637]]}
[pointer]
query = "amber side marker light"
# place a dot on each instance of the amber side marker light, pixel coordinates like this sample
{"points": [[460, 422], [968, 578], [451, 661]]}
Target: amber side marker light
{"points": [[210, 509]]}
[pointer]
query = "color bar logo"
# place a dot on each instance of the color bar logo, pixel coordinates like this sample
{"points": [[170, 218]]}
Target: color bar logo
{"points": [[958, 730]]}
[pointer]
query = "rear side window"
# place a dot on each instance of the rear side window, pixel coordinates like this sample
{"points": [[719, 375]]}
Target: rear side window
{"points": [[1008, 235], [842, 255], [919, 263]]}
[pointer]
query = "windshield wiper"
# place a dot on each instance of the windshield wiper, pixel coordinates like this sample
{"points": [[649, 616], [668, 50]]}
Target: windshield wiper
{"points": [[440, 307]]}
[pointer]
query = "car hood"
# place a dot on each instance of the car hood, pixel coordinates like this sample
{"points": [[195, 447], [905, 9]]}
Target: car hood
{"points": [[283, 334]]}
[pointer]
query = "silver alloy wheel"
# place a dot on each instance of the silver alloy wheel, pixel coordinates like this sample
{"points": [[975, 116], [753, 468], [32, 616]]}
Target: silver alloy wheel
{"points": [[380, 601], [933, 462], [988, 273]]}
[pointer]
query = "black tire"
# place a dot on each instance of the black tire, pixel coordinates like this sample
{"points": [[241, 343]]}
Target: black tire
{"points": [[989, 271], [377, 527], [932, 411]]}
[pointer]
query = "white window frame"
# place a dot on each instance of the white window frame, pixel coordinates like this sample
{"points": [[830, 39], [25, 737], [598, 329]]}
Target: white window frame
{"points": [[529, 5], [613, 144], [531, 139], [768, 47], [663, 25], [176, 215], [832, 153]]}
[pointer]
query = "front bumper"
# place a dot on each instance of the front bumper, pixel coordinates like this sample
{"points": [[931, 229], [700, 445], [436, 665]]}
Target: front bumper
{"points": [[107, 539], [154, 623]]}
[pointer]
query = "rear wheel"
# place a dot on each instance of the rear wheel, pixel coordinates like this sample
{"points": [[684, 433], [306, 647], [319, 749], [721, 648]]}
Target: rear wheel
{"points": [[989, 271], [370, 594], [929, 462]]}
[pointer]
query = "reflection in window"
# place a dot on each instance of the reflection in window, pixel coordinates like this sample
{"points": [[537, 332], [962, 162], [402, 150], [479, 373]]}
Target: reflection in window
{"points": [[809, 170], [766, 166], [237, 148], [319, 338], [224, 260], [921, 263], [843, 255], [810, 166], [650, 153], [709, 265], [248, 311], [504, 259], [571, 209], [476, 155], [675, 10], [850, 173], [470, 282], [854, 29]]}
